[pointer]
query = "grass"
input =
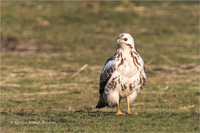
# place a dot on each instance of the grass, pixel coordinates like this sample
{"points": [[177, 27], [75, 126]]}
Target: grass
{"points": [[44, 43]]}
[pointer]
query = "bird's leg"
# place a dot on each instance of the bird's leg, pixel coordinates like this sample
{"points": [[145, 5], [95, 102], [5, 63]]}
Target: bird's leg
{"points": [[128, 107], [119, 112]]}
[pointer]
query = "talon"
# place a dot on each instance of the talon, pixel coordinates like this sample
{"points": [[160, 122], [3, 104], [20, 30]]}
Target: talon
{"points": [[120, 113], [128, 112]]}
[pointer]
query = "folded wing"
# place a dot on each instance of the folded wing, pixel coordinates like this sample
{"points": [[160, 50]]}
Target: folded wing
{"points": [[106, 73]]}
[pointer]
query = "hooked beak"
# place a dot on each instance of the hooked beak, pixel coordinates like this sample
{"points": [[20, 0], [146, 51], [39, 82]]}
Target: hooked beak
{"points": [[118, 41]]}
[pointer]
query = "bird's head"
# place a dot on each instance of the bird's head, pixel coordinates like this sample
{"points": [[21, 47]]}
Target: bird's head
{"points": [[125, 39]]}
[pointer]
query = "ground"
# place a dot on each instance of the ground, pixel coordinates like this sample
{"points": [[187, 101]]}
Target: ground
{"points": [[45, 43]]}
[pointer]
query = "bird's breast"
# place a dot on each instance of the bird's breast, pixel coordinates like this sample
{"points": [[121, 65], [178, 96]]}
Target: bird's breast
{"points": [[129, 63], [126, 67]]}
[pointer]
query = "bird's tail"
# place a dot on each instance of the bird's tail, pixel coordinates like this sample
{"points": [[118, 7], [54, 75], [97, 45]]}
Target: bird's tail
{"points": [[102, 103]]}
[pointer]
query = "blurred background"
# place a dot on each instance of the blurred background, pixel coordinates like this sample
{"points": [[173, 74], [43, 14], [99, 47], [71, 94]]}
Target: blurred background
{"points": [[44, 43]]}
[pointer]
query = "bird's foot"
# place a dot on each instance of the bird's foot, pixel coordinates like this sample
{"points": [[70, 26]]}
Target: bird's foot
{"points": [[129, 113], [120, 113]]}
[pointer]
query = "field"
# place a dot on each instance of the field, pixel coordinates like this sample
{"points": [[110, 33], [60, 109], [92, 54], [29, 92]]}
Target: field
{"points": [[44, 43]]}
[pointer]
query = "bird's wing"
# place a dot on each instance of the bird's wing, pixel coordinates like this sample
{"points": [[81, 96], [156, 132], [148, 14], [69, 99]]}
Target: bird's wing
{"points": [[106, 73]]}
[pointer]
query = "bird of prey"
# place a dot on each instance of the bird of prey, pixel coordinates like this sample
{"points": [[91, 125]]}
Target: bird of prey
{"points": [[123, 75]]}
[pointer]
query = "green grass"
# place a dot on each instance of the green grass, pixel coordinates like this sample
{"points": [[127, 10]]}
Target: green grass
{"points": [[45, 43], [90, 121]]}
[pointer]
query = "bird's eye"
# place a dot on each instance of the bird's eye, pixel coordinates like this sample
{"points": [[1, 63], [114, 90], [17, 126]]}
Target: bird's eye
{"points": [[125, 39]]}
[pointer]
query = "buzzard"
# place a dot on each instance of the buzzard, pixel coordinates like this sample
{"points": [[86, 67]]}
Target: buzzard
{"points": [[123, 75]]}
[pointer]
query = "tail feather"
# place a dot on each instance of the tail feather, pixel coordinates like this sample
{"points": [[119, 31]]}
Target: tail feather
{"points": [[102, 103]]}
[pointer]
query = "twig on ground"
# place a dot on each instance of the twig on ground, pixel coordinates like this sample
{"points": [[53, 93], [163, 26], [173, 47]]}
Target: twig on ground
{"points": [[80, 70]]}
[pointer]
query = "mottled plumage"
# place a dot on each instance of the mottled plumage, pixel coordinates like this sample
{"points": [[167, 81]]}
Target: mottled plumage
{"points": [[123, 75]]}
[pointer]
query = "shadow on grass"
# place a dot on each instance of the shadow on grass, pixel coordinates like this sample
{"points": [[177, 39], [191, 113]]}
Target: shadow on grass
{"points": [[59, 116], [94, 113]]}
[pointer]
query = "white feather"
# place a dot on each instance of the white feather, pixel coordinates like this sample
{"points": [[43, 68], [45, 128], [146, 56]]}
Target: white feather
{"points": [[127, 72]]}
